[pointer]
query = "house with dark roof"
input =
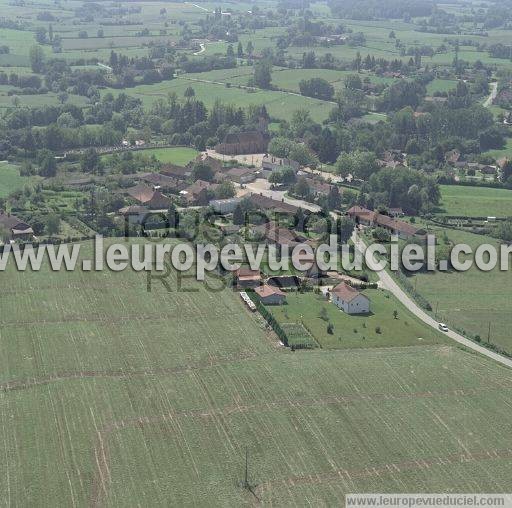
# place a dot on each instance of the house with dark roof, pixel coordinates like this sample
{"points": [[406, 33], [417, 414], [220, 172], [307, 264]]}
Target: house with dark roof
{"points": [[198, 193], [265, 203], [349, 299], [147, 196], [134, 214], [241, 175], [374, 219], [243, 143], [247, 278], [16, 228], [164, 182], [180, 172]]}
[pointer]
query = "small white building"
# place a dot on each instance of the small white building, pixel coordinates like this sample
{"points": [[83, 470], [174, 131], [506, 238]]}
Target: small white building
{"points": [[224, 206], [350, 300]]}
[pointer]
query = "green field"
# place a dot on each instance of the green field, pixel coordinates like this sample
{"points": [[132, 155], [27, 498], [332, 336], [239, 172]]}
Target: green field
{"points": [[475, 201], [356, 331], [113, 395], [504, 152], [10, 179], [179, 155], [279, 104], [473, 299]]}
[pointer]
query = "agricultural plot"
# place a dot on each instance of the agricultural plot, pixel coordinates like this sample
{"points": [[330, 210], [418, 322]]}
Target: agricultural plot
{"points": [[113, 42], [180, 155], [378, 329], [155, 395], [279, 104], [475, 201], [441, 85], [10, 179], [473, 300]]}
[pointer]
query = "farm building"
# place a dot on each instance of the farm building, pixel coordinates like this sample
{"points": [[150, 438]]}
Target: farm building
{"points": [[374, 219], [134, 214], [284, 281], [247, 278], [270, 295], [163, 182], [18, 230], [349, 299]]}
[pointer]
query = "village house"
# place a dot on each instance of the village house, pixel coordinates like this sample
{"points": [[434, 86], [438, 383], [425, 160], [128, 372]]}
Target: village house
{"points": [[265, 203], [270, 295], [247, 278], [198, 193], [271, 164], [350, 300], [163, 182], [16, 228], [241, 175], [366, 217], [179, 172], [319, 188], [148, 197]]}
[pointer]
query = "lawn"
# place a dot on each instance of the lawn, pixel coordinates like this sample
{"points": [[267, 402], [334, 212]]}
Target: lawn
{"points": [[179, 155], [475, 201], [473, 299], [356, 331], [10, 179], [113, 394], [441, 85], [504, 152]]}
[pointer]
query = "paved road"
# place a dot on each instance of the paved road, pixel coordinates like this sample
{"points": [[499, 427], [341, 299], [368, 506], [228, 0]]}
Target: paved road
{"points": [[387, 282], [261, 185], [494, 93]]}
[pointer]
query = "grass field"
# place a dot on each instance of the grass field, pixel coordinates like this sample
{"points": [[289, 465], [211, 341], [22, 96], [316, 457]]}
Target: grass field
{"points": [[473, 299], [113, 395], [475, 201], [504, 152], [356, 331], [179, 155], [10, 179], [279, 104]]}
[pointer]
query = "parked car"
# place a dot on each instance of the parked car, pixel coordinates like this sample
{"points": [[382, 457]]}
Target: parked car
{"points": [[443, 327]]}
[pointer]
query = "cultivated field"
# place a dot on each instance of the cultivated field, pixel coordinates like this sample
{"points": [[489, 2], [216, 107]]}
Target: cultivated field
{"points": [[471, 300], [155, 396], [475, 201]]}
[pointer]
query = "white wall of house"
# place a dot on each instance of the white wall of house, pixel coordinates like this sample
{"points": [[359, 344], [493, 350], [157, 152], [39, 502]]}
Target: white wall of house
{"points": [[359, 305]]}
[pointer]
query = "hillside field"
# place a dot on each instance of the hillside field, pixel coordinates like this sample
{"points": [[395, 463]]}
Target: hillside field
{"points": [[156, 396], [475, 201]]}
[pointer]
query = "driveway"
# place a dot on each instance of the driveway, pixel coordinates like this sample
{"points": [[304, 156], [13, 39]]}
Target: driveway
{"points": [[388, 283]]}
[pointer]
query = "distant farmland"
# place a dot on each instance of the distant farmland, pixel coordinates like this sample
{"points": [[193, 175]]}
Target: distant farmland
{"points": [[155, 396]]}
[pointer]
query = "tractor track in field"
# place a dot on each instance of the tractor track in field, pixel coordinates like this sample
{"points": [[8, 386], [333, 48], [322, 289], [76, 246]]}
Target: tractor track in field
{"points": [[101, 453], [23, 384], [389, 468]]}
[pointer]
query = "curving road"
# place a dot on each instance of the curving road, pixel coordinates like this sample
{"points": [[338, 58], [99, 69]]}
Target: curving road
{"points": [[387, 282]]}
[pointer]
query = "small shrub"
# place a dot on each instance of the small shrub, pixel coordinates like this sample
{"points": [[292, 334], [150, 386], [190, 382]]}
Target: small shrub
{"points": [[378, 330], [330, 328]]}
